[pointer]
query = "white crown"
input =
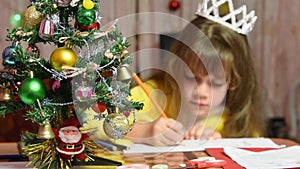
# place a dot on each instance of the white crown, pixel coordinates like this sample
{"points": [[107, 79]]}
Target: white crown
{"points": [[210, 10]]}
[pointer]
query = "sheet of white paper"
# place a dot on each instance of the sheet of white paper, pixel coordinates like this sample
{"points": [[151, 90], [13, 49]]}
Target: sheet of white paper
{"points": [[200, 145], [272, 159]]}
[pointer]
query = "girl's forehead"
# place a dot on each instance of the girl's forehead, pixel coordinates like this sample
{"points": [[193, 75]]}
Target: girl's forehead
{"points": [[218, 70], [207, 75]]}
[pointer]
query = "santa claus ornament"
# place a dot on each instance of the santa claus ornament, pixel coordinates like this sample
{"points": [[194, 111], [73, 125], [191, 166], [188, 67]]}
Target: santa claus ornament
{"points": [[70, 140]]}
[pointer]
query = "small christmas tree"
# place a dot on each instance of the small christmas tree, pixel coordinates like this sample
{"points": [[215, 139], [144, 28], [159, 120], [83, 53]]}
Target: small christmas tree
{"points": [[85, 80]]}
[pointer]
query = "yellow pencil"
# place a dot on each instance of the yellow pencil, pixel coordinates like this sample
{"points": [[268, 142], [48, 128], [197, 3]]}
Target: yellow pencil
{"points": [[156, 105]]}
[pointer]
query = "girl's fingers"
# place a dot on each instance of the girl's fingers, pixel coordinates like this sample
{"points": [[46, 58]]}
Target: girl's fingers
{"points": [[200, 132], [167, 132]]}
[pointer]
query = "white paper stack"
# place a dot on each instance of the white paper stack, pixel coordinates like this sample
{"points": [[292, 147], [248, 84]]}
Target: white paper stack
{"points": [[200, 145], [288, 157]]}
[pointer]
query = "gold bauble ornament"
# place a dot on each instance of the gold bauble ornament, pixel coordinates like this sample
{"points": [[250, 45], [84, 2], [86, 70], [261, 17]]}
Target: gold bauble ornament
{"points": [[32, 17], [63, 56], [116, 125]]}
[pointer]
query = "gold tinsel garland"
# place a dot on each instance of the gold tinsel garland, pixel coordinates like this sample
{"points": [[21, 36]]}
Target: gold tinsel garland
{"points": [[42, 153]]}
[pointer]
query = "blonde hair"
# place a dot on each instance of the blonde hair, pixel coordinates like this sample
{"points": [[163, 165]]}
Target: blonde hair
{"points": [[243, 99]]}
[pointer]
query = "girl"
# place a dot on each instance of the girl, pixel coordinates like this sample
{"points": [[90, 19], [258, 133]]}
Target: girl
{"points": [[209, 89]]}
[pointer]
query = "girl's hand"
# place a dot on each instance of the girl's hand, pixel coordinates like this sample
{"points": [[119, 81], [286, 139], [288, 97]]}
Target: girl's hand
{"points": [[200, 132], [166, 132]]}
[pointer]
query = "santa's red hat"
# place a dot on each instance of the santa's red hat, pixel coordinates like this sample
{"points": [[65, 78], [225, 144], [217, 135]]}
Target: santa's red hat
{"points": [[71, 121]]}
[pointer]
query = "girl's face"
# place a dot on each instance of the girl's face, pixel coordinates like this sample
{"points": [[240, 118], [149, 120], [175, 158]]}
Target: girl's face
{"points": [[201, 95]]}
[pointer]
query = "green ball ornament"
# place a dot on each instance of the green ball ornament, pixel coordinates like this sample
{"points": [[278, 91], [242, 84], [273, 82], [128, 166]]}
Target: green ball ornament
{"points": [[85, 17], [31, 90]]}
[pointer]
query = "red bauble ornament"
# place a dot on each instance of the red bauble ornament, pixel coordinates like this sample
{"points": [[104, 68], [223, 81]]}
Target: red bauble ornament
{"points": [[126, 113], [99, 107], [95, 25], [173, 5]]}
